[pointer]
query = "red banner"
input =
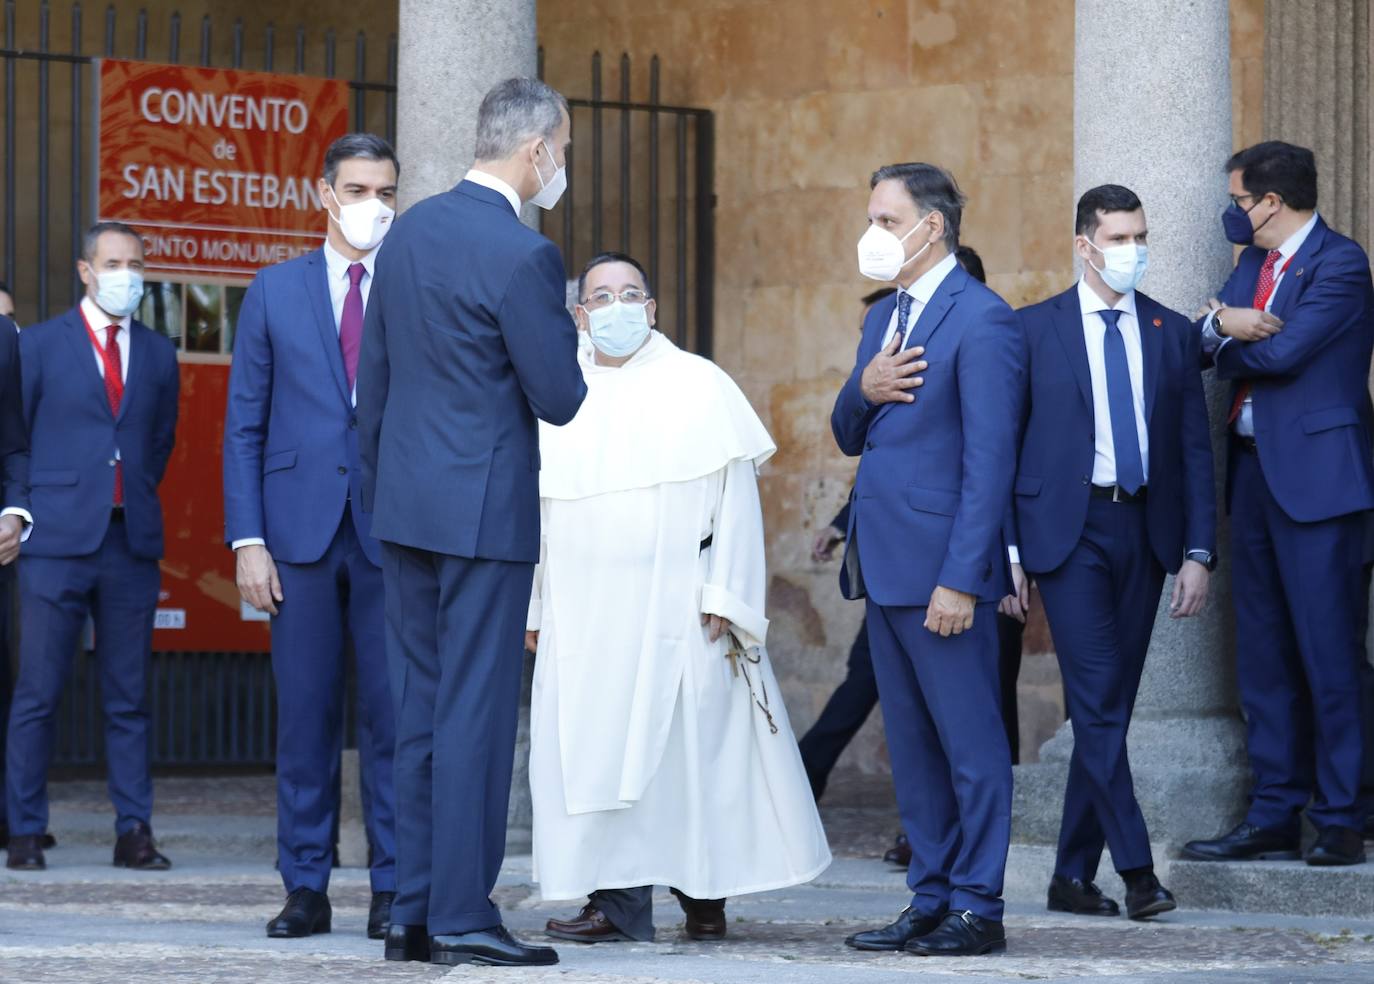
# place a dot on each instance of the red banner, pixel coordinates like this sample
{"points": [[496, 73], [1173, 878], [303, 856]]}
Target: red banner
{"points": [[216, 168]]}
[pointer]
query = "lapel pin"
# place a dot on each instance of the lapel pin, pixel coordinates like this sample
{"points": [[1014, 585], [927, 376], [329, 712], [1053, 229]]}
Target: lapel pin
{"points": [[1159, 322], [1299, 273]]}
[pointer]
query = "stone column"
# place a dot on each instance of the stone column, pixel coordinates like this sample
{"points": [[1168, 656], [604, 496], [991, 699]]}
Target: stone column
{"points": [[451, 52], [1317, 94], [1152, 111]]}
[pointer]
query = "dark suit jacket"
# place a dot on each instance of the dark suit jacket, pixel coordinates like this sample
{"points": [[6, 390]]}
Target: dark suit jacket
{"points": [[935, 476], [1310, 382], [1058, 445], [73, 437], [14, 436], [290, 432], [467, 341]]}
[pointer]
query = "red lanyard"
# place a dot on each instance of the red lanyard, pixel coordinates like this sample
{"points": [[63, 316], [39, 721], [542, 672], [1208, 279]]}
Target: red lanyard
{"points": [[1261, 302]]}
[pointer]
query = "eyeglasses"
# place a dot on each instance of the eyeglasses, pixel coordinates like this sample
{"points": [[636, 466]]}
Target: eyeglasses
{"points": [[1237, 199], [605, 298]]}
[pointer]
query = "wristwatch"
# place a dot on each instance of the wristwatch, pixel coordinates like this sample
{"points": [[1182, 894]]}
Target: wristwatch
{"points": [[1216, 322], [1204, 557]]}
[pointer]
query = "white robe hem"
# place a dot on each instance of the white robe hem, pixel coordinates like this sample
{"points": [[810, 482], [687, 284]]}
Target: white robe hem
{"points": [[713, 892]]}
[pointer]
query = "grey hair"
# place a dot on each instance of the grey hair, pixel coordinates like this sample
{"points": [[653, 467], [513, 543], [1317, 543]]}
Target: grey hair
{"points": [[351, 146], [513, 112], [93, 234], [933, 189]]}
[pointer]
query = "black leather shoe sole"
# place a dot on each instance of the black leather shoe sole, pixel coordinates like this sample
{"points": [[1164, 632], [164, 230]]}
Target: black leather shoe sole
{"points": [[1156, 908], [991, 946], [414, 948], [1326, 860], [297, 932], [27, 865], [1279, 855], [458, 958], [1060, 905]]}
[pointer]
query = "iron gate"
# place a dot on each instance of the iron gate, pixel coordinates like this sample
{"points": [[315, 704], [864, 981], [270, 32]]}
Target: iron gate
{"points": [[651, 196]]}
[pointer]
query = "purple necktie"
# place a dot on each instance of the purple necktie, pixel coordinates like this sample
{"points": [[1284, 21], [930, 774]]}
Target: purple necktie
{"points": [[351, 323]]}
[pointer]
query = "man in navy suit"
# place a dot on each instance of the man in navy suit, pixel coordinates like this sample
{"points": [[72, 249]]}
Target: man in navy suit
{"points": [[924, 543], [1293, 331], [100, 401], [468, 341], [303, 544], [15, 519], [1114, 487]]}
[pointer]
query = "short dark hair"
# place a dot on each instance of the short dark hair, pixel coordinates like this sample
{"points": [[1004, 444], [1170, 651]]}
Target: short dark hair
{"points": [[1096, 202], [352, 146], [94, 233], [933, 189], [602, 259], [1285, 169], [970, 260], [5, 289], [873, 297]]}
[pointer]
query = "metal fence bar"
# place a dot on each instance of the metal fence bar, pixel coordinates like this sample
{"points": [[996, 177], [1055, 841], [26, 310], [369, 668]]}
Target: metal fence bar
{"points": [[109, 31], [596, 154], [390, 97], [269, 47], [43, 165], [76, 186], [360, 76], [653, 173], [681, 250], [625, 154], [705, 272], [141, 36], [206, 55], [10, 164], [236, 60], [174, 40], [300, 50], [329, 53]]}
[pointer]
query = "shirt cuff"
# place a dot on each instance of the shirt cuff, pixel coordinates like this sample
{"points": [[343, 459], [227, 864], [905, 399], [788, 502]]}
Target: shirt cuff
{"points": [[1013, 555], [248, 541], [23, 514]]}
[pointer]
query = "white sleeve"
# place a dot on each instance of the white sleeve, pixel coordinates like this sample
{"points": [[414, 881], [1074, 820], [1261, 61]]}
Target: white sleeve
{"points": [[736, 578]]}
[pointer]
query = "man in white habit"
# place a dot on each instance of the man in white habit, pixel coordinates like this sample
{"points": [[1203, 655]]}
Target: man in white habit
{"points": [[660, 750]]}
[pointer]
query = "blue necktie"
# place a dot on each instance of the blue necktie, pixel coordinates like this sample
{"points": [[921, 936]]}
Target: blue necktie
{"points": [[1130, 473], [903, 312]]}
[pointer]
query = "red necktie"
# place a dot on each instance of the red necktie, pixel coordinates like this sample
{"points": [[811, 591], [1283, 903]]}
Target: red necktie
{"points": [[1263, 288], [114, 392], [351, 323]]}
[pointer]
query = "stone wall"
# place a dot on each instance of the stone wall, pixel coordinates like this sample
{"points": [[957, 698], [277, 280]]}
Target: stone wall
{"points": [[810, 96]]}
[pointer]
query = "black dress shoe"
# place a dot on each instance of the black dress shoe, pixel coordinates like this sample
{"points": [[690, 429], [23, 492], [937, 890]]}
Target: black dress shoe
{"points": [[1369, 827], [900, 852], [705, 917], [909, 925], [1146, 897], [379, 915], [1080, 898], [26, 853], [1337, 846], [490, 948], [407, 943], [306, 913], [960, 934], [1246, 842], [135, 849]]}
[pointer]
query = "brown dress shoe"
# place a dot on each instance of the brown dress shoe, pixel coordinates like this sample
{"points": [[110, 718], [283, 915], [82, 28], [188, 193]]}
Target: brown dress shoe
{"points": [[705, 917], [26, 853], [135, 849], [588, 926]]}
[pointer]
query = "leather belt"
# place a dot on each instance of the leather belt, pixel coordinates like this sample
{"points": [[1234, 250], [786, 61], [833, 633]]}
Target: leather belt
{"points": [[1117, 494], [706, 543], [117, 514], [1246, 443]]}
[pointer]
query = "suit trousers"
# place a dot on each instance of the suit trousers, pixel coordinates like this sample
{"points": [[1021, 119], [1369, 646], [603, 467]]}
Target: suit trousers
{"points": [[1297, 594], [1101, 605], [6, 681], [119, 591], [455, 646], [950, 762], [337, 597]]}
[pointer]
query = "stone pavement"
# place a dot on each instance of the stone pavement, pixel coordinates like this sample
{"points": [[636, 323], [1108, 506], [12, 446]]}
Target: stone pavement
{"points": [[84, 921]]}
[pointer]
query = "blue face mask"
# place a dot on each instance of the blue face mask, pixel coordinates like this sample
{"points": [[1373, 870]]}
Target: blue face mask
{"points": [[118, 291], [619, 329], [1236, 223]]}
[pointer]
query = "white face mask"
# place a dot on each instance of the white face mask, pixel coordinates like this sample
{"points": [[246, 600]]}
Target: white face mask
{"points": [[619, 329], [364, 224], [552, 190], [881, 253], [118, 291], [1122, 266]]}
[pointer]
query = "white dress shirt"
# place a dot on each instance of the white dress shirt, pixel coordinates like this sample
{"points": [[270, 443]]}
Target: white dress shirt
{"points": [[336, 272], [1245, 423], [495, 184], [1094, 334], [921, 292], [100, 324]]}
